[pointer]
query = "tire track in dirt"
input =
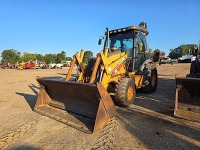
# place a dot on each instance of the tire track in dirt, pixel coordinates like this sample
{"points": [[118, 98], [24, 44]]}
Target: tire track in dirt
{"points": [[12, 135], [106, 137]]}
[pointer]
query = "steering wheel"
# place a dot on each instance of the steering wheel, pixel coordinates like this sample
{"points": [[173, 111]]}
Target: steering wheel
{"points": [[124, 49], [119, 48]]}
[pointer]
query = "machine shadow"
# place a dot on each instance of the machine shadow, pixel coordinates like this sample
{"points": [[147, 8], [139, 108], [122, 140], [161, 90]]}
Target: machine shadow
{"points": [[65, 74], [25, 147], [162, 100], [149, 119], [31, 99], [157, 132], [164, 75]]}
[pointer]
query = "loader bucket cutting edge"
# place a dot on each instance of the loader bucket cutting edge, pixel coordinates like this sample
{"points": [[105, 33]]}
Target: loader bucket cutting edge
{"points": [[86, 107], [187, 103]]}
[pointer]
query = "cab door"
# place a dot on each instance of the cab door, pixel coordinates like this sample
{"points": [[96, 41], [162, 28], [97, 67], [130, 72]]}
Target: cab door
{"points": [[140, 48]]}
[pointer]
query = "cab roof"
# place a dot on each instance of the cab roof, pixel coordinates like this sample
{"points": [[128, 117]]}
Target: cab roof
{"points": [[130, 28]]}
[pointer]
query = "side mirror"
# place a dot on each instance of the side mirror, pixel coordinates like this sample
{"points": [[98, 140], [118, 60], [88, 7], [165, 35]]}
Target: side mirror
{"points": [[100, 41]]}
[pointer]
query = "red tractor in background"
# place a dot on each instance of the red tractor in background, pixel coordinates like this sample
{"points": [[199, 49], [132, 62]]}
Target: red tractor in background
{"points": [[6, 65], [27, 65]]}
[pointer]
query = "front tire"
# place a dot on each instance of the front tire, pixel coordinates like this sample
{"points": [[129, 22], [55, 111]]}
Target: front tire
{"points": [[125, 92]]}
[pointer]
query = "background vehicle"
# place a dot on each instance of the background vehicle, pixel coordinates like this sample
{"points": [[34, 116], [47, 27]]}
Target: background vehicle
{"points": [[41, 65], [58, 65], [54, 66], [66, 63], [165, 60], [84, 101], [26, 65], [6, 65], [187, 104], [185, 59]]}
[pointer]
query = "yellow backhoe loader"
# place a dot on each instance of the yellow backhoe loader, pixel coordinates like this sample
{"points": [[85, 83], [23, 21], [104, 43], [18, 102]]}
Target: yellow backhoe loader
{"points": [[85, 102], [187, 102]]}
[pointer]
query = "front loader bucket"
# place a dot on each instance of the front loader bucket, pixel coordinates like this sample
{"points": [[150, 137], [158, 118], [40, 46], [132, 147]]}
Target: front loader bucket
{"points": [[86, 107], [187, 103]]}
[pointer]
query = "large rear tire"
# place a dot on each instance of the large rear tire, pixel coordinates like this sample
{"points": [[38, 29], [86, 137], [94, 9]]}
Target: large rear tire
{"points": [[152, 78], [193, 68], [125, 92]]}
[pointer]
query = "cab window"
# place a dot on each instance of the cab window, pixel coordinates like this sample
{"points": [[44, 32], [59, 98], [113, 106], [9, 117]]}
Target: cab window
{"points": [[122, 42], [140, 51]]}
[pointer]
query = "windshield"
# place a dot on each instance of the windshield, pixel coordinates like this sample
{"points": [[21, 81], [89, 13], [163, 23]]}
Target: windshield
{"points": [[121, 42]]}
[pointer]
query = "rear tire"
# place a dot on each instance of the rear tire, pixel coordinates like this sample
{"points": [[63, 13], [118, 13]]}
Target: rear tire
{"points": [[193, 68], [125, 92], [152, 78]]}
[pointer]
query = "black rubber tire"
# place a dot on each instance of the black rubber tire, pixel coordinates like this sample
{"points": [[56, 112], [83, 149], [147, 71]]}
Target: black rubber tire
{"points": [[152, 86], [193, 68], [126, 86]]}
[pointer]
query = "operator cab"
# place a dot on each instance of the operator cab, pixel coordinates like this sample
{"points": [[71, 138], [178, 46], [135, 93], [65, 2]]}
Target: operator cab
{"points": [[131, 40]]}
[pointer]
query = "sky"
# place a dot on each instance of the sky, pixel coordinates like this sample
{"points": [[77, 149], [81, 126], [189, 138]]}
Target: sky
{"points": [[52, 26]]}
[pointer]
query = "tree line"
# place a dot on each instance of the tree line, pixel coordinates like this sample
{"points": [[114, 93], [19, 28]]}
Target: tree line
{"points": [[181, 50], [13, 56]]}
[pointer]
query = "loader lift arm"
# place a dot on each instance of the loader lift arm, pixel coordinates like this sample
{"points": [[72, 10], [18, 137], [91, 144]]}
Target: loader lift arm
{"points": [[78, 60]]}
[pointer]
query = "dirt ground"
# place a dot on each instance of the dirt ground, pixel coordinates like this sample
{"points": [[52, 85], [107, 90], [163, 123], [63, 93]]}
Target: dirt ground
{"points": [[146, 124]]}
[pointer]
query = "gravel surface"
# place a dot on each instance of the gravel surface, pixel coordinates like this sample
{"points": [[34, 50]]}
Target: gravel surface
{"points": [[146, 124]]}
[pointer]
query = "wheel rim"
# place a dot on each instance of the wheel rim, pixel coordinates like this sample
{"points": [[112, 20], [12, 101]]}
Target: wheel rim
{"points": [[153, 79], [130, 93]]}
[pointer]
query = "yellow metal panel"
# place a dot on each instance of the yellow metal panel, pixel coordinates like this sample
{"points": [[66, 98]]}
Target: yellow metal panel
{"points": [[115, 79], [112, 58], [105, 80], [133, 27], [132, 75], [77, 59], [80, 78], [111, 62], [138, 80]]}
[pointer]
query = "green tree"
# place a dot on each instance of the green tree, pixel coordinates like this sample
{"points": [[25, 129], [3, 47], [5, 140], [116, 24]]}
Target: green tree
{"points": [[50, 58], [10, 55], [68, 58], [175, 53], [162, 53], [183, 49], [27, 57], [39, 57], [187, 49], [87, 54], [61, 56]]}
